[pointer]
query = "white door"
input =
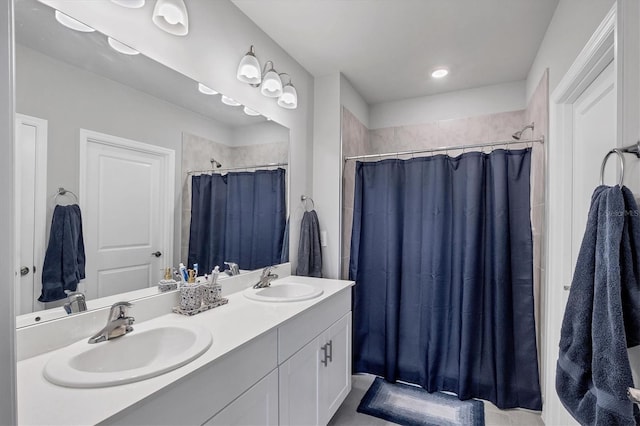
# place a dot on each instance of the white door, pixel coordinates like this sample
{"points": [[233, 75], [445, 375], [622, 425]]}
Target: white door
{"points": [[594, 134], [335, 376], [257, 406], [298, 379], [126, 198], [30, 192]]}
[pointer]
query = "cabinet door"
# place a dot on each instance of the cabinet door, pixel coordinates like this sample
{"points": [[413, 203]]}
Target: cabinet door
{"points": [[298, 378], [257, 406], [335, 377]]}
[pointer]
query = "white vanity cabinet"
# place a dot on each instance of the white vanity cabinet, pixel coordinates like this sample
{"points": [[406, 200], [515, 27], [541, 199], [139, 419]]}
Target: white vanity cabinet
{"points": [[316, 380], [314, 356], [257, 406]]}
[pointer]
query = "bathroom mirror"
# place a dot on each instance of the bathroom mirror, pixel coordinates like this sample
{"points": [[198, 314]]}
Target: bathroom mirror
{"points": [[81, 99]]}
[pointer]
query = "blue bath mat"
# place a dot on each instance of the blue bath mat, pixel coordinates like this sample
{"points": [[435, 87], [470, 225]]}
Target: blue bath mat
{"points": [[410, 405]]}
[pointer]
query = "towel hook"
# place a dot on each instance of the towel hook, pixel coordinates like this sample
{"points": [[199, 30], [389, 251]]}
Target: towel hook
{"points": [[604, 164]]}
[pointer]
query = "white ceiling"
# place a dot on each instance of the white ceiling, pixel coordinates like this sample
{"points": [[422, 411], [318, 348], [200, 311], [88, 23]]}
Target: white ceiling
{"points": [[388, 48]]}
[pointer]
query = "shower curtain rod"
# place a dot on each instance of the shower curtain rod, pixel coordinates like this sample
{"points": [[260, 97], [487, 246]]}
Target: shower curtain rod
{"points": [[443, 148], [226, 169]]}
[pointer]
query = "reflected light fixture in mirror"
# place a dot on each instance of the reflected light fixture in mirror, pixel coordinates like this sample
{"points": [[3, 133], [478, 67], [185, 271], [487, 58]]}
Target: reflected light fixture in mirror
{"points": [[121, 47], [249, 69], [71, 23], [250, 111], [132, 4], [271, 85], [289, 97], [206, 90], [171, 16], [229, 101]]}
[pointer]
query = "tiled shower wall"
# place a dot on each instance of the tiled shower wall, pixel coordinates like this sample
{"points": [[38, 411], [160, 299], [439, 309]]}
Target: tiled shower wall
{"points": [[196, 154], [358, 140]]}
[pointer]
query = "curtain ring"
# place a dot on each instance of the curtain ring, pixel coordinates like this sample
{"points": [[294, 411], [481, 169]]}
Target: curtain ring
{"points": [[604, 164]]}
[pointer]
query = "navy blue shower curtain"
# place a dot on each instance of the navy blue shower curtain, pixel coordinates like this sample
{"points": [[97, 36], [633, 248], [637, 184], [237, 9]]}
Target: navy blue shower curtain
{"points": [[238, 217], [441, 252]]}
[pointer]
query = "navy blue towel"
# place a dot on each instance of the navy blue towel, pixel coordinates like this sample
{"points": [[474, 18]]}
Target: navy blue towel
{"points": [[309, 250], [602, 317], [64, 261]]}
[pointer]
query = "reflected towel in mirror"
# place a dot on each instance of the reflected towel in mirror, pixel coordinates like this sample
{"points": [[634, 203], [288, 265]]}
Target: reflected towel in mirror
{"points": [[64, 262]]}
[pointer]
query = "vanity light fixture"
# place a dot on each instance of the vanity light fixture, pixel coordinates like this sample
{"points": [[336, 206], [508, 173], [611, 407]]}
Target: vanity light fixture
{"points": [[132, 4], [121, 47], [71, 23], [249, 69], [206, 90], [271, 85], [229, 101], [289, 97], [171, 16], [268, 80], [440, 72], [250, 111]]}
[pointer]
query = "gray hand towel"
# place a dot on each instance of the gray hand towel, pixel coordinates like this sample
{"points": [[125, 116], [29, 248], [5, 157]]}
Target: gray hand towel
{"points": [[309, 250], [602, 315]]}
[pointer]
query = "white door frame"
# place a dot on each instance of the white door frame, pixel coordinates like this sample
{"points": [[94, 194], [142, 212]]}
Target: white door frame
{"points": [[168, 155], [616, 39], [40, 206]]}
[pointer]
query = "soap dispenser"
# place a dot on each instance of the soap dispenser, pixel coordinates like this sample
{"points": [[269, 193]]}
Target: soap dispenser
{"points": [[213, 289], [168, 283]]}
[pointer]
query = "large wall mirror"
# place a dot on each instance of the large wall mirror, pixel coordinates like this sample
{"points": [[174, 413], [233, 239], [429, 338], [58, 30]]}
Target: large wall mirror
{"points": [[162, 170]]}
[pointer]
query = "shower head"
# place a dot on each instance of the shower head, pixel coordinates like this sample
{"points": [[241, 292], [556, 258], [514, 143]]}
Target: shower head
{"points": [[215, 163], [518, 135]]}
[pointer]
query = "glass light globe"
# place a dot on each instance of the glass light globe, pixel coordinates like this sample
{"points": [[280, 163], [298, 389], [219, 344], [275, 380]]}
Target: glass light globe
{"points": [[289, 97], [249, 69], [271, 84], [71, 23]]}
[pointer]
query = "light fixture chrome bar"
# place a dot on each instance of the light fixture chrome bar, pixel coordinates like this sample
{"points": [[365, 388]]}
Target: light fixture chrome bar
{"points": [[444, 148], [228, 169]]}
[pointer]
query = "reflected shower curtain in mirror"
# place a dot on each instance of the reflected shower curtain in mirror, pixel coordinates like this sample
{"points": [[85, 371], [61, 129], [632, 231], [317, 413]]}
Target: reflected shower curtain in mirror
{"points": [[256, 218], [237, 217], [441, 252], [208, 218]]}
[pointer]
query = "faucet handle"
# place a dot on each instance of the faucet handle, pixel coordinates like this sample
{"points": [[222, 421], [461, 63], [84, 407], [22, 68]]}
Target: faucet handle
{"points": [[267, 271], [119, 310]]}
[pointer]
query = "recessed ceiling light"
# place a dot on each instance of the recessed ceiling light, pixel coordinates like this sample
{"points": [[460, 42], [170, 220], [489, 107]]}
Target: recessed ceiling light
{"points": [[206, 90], [439, 73], [74, 24], [121, 47], [229, 101]]}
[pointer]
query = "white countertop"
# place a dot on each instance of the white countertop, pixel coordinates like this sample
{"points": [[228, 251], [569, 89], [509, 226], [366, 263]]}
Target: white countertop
{"points": [[231, 325]]}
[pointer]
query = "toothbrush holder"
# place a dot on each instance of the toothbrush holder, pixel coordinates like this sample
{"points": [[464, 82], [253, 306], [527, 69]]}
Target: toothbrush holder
{"points": [[191, 297]]}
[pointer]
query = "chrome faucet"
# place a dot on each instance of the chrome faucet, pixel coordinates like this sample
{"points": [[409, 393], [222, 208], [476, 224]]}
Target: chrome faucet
{"points": [[76, 302], [234, 269], [266, 278], [118, 324]]}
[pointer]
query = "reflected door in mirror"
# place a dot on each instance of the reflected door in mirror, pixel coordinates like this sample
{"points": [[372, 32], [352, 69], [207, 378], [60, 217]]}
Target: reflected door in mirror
{"points": [[124, 195]]}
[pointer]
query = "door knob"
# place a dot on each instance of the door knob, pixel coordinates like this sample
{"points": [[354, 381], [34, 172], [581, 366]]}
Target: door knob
{"points": [[156, 254], [24, 271]]}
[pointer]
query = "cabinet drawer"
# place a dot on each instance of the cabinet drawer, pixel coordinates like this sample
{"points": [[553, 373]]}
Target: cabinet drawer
{"points": [[299, 331]]}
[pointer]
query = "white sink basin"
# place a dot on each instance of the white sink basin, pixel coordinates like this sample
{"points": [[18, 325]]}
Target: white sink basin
{"points": [[283, 292], [145, 352]]}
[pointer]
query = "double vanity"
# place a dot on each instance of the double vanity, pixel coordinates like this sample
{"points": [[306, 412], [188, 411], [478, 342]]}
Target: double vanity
{"points": [[276, 355]]}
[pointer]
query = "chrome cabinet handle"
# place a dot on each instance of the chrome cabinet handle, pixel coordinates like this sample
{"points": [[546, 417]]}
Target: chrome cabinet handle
{"points": [[156, 254], [324, 361], [24, 271], [330, 357]]}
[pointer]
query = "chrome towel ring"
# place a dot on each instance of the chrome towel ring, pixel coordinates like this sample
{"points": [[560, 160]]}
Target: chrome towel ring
{"points": [[604, 164], [631, 149], [305, 199]]}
